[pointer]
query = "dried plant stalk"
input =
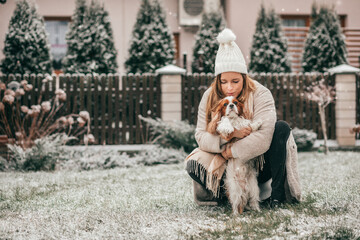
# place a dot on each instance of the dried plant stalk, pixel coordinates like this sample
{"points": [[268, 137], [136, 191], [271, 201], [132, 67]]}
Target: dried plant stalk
{"points": [[43, 118], [323, 95]]}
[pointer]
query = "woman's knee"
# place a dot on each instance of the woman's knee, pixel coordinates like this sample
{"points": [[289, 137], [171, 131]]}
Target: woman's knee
{"points": [[189, 167], [195, 172], [282, 129]]}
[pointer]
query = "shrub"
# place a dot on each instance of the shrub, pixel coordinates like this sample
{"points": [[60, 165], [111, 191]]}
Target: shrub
{"points": [[104, 158], [177, 134], [304, 139], [3, 164], [160, 155], [43, 155], [101, 160]]}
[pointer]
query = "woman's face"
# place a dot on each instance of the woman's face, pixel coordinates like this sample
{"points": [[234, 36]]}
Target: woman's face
{"points": [[231, 83]]}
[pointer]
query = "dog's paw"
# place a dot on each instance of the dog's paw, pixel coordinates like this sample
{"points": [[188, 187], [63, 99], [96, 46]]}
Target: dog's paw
{"points": [[240, 209], [256, 125], [253, 205], [256, 208], [224, 127]]}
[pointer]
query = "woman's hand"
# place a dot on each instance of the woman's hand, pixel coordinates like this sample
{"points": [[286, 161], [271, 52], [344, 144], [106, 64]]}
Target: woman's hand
{"points": [[244, 132], [228, 137], [227, 154]]}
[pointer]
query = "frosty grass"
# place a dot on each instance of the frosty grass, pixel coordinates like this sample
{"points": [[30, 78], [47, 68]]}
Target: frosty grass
{"points": [[156, 202]]}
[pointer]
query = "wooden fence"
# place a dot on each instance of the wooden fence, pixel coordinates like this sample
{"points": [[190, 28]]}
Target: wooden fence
{"points": [[288, 92], [113, 102]]}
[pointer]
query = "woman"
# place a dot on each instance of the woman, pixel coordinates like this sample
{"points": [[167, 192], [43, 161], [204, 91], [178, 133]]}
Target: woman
{"points": [[273, 142]]}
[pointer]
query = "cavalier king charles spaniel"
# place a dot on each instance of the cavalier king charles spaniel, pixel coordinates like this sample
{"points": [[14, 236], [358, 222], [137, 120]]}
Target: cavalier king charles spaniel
{"points": [[241, 178]]}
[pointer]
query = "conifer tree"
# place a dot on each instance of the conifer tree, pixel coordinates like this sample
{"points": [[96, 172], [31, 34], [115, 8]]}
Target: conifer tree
{"points": [[206, 45], [26, 46], [76, 54], [100, 47], [260, 40], [325, 45], [91, 47], [269, 47], [152, 45], [279, 58]]}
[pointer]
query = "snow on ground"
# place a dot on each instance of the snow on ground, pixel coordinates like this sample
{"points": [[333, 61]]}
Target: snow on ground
{"points": [[156, 202]]}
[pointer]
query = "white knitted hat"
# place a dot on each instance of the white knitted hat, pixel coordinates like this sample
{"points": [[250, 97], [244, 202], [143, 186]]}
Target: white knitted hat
{"points": [[229, 57]]}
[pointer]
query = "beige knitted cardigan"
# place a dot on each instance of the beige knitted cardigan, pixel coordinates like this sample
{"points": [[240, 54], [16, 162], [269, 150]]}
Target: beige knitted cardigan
{"points": [[253, 146]]}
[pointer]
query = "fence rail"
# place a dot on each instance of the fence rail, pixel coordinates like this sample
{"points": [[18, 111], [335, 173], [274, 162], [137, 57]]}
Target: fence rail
{"points": [[289, 94]]}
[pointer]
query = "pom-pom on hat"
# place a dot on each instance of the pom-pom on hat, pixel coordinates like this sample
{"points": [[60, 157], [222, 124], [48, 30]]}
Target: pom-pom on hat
{"points": [[229, 57]]}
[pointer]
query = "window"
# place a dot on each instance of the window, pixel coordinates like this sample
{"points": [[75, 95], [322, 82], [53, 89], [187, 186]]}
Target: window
{"points": [[303, 20], [177, 46], [57, 27], [193, 7], [294, 22]]}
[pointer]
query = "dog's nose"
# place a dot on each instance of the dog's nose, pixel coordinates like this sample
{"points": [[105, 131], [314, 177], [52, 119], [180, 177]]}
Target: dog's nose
{"points": [[231, 105]]}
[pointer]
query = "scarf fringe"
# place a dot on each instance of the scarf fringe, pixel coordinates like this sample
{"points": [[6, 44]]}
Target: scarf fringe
{"points": [[212, 181], [213, 184]]}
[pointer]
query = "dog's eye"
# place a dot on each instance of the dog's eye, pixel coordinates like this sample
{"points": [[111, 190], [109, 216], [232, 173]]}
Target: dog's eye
{"points": [[225, 104], [235, 102]]}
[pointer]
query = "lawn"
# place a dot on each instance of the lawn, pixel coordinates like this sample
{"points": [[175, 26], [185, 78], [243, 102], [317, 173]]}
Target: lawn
{"points": [[156, 202]]}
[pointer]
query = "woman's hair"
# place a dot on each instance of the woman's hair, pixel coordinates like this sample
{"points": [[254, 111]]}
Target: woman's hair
{"points": [[216, 94]]}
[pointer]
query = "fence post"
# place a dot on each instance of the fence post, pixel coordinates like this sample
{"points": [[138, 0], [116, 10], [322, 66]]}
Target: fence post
{"points": [[345, 108], [170, 92]]}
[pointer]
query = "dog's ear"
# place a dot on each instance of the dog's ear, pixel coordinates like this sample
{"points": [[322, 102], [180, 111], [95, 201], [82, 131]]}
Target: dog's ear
{"points": [[212, 125], [240, 107]]}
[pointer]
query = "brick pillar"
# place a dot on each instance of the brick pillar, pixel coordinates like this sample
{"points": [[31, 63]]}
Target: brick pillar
{"points": [[345, 108], [171, 92]]}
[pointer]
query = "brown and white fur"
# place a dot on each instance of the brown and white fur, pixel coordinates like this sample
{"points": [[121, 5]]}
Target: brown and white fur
{"points": [[241, 178]]}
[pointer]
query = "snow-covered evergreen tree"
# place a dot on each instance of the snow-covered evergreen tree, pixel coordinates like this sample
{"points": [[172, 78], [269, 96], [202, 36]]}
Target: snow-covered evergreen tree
{"points": [[100, 45], [26, 45], [269, 47], [278, 45], [91, 47], [325, 44], [206, 45], [76, 54], [260, 40], [152, 45]]}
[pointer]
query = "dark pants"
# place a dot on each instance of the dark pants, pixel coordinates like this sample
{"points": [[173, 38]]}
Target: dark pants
{"points": [[274, 166], [275, 158]]}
